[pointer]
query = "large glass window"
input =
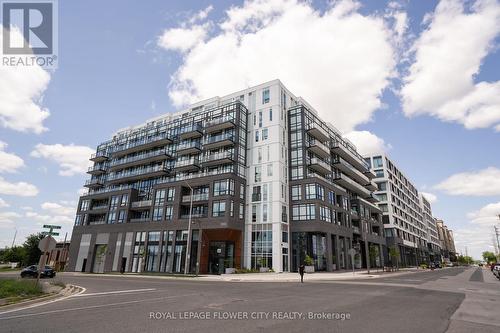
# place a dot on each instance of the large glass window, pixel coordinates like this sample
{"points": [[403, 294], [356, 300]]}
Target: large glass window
{"points": [[377, 162], [296, 192], [170, 194], [223, 187], [160, 197], [265, 96], [303, 212], [152, 252], [325, 214], [85, 205], [315, 191], [169, 212], [218, 208], [157, 213]]}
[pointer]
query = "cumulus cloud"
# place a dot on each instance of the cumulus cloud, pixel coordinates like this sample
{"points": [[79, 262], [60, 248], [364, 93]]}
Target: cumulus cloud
{"points": [[447, 57], [21, 91], [183, 39], [367, 143], [7, 219], [477, 183], [9, 162], [71, 159], [319, 55], [49, 218], [432, 198], [63, 208], [21, 189], [3, 203]]}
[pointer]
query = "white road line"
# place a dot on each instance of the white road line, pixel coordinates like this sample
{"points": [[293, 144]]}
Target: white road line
{"points": [[95, 306], [44, 303], [115, 292]]}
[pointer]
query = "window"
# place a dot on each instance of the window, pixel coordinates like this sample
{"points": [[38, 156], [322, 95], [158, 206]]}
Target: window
{"points": [[296, 192], [254, 213], [223, 187], [379, 173], [303, 212], [157, 213], [264, 213], [242, 191], [256, 196], [377, 162], [258, 177], [121, 216], [325, 214], [265, 96], [264, 134], [257, 136], [314, 191], [169, 212], [78, 220], [270, 170], [382, 186], [111, 217], [160, 197], [231, 209], [124, 200], [114, 201], [260, 119], [331, 198], [85, 205], [171, 194], [259, 155], [218, 208], [242, 211], [271, 114]]}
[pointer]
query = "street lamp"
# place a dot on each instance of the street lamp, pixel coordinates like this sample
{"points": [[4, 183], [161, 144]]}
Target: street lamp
{"points": [[188, 250]]}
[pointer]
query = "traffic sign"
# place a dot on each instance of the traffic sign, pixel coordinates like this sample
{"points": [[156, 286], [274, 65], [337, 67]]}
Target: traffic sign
{"points": [[49, 226], [47, 244], [47, 233]]}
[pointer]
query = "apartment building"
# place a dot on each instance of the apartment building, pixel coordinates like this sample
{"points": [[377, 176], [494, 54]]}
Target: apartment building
{"points": [[403, 215], [433, 243], [253, 179], [447, 242]]}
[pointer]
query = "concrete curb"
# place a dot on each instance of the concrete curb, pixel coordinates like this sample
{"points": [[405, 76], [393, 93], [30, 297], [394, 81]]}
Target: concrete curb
{"points": [[68, 291]]}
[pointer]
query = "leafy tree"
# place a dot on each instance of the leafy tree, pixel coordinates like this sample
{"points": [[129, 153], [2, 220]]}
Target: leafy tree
{"points": [[373, 253], [33, 253], [14, 254], [489, 256]]}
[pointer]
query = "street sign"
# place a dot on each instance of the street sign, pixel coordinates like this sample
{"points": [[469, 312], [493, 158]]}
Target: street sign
{"points": [[47, 244], [48, 233], [49, 226]]}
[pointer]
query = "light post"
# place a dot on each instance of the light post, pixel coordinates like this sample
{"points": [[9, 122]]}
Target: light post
{"points": [[188, 250]]}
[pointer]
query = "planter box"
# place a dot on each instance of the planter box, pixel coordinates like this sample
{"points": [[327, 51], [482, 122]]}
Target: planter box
{"points": [[230, 270], [264, 269], [309, 269]]}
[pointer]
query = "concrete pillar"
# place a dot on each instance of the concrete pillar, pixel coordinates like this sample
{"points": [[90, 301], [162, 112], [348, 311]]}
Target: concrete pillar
{"points": [[337, 252], [329, 253], [367, 255]]}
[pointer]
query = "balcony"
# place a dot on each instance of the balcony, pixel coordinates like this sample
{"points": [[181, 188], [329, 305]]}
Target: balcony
{"points": [[99, 156], [319, 133], [94, 183], [370, 174], [96, 170], [319, 166], [191, 131], [218, 141], [126, 162], [349, 155], [318, 148], [141, 144], [136, 174], [348, 183], [219, 124], [99, 207], [256, 197], [371, 186], [349, 170], [140, 219], [141, 205], [196, 197], [191, 164], [194, 216], [186, 148], [218, 158]]}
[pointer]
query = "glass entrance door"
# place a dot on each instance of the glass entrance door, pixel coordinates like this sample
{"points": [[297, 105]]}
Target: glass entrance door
{"points": [[221, 256]]}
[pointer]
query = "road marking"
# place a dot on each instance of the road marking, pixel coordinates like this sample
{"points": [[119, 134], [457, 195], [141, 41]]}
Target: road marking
{"points": [[115, 292], [95, 306], [44, 303]]}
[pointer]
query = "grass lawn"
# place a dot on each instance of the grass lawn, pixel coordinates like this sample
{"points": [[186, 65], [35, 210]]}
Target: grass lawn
{"points": [[15, 290]]}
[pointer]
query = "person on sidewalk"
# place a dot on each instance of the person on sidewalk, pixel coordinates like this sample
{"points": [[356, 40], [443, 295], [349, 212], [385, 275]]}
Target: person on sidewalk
{"points": [[301, 272]]}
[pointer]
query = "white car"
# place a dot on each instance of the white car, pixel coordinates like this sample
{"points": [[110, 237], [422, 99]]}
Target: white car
{"points": [[496, 271]]}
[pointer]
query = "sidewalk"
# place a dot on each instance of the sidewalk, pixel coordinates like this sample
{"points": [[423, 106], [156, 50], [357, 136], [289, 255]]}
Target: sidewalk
{"points": [[266, 277]]}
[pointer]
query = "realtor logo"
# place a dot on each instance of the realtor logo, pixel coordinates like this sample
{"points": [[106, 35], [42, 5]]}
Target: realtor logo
{"points": [[29, 33]]}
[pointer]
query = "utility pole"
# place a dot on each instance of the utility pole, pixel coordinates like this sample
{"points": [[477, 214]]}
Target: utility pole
{"points": [[13, 241], [497, 232]]}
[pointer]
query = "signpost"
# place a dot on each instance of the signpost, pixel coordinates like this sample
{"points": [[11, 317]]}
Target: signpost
{"points": [[48, 243]]}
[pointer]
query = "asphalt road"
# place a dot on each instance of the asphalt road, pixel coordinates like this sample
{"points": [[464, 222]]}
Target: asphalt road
{"points": [[132, 304]]}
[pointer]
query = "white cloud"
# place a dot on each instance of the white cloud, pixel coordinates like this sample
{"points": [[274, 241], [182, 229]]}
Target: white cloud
{"points": [[201, 15], [58, 209], [72, 159], [367, 143], [3, 203], [319, 55], [21, 91], [9, 162], [82, 191], [183, 39], [477, 183], [487, 215], [448, 56], [41, 219], [7, 219], [21, 189], [432, 198]]}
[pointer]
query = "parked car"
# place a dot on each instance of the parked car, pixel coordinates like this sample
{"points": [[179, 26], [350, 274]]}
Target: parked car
{"points": [[492, 266], [436, 264], [496, 271], [32, 271]]}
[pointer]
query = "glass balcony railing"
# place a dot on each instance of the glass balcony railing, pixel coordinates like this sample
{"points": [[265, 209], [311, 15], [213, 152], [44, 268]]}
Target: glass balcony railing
{"points": [[139, 157], [217, 156], [188, 162], [140, 142], [141, 204], [217, 121], [189, 145], [137, 172], [99, 155], [196, 197], [218, 138], [190, 128]]}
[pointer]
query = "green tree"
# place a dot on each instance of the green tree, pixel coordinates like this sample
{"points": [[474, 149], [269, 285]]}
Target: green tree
{"points": [[489, 256], [373, 253], [14, 254], [33, 253]]}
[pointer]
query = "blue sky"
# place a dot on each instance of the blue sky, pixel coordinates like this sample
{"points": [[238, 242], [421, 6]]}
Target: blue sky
{"points": [[417, 86]]}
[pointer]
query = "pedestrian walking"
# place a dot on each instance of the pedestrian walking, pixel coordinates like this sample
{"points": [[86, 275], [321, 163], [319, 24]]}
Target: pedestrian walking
{"points": [[301, 272]]}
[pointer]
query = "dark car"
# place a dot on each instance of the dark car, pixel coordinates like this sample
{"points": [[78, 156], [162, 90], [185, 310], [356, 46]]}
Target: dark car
{"points": [[435, 264], [32, 271]]}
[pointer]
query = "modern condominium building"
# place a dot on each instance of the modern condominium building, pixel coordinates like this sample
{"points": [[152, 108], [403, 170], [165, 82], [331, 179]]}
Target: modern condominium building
{"points": [[254, 179], [403, 215], [433, 243], [447, 242]]}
